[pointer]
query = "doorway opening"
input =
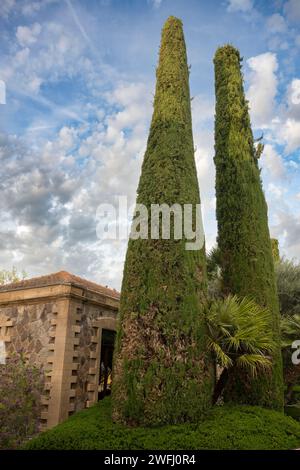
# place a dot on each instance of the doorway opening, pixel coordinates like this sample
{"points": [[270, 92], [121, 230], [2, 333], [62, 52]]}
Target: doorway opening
{"points": [[106, 358]]}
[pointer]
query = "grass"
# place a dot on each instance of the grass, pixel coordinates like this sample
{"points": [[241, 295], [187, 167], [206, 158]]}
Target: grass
{"points": [[227, 427]]}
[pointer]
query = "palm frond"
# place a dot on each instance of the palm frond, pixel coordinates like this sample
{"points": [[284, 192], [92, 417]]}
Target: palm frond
{"points": [[222, 358], [253, 362], [241, 333]]}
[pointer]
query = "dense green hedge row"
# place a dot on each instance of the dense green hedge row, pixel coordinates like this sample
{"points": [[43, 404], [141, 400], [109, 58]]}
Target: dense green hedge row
{"points": [[228, 427]]}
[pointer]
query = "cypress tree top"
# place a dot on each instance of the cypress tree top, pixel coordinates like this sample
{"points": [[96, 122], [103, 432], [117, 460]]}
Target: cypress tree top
{"points": [[161, 372], [243, 233], [170, 149]]}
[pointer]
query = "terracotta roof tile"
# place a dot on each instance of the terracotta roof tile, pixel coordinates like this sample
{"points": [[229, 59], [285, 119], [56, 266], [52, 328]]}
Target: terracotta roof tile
{"points": [[62, 277]]}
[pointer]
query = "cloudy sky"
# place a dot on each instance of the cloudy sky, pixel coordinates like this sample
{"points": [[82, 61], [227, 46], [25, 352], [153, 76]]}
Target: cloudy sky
{"points": [[80, 77]]}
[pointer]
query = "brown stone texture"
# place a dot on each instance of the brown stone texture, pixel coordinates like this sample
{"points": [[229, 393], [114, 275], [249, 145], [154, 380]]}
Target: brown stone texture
{"points": [[30, 331], [57, 321]]}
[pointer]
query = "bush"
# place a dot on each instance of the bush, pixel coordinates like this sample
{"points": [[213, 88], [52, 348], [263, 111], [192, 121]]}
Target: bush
{"points": [[227, 427], [21, 385], [293, 411], [288, 283]]}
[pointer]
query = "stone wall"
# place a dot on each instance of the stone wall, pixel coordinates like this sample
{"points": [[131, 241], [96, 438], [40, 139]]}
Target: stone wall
{"points": [[30, 330], [92, 319], [58, 324]]}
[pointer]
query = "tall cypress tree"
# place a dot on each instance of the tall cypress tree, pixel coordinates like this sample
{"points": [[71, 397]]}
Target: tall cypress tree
{"points": [[161, 371], [243, 233]]}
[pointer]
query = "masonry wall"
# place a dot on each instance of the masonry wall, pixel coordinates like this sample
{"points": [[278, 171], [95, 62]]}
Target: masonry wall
{"points": [[30, 329], [88, 350], [59, 328]]}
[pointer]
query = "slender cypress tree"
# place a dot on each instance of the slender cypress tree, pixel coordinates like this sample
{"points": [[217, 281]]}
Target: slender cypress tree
{"points": [[162, 373], [243, 233]]}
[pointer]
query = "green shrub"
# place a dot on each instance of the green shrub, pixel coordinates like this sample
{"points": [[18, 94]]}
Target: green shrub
{"points": [[21, 385], [293, 411], [288, 284], [227, 427]]}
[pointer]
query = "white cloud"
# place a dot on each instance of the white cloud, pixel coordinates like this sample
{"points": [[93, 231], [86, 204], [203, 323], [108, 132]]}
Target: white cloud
{"points": [[203, 110], [55, 198], [28, 35], [276, 190], [202, 116], [293, 98], [67, 137], [51, 192], [286, 128], [287, 228], [58, 53], [239, 5], [276, 24], [6, 6], [290, 133], [263, 88], [292, 10], [23, 7], [156, 3], [30, 8], [272, 163], [2, 92]]}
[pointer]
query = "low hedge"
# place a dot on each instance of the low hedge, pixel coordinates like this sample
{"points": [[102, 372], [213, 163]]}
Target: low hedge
{"points": [[226, 427], [293, 411]]}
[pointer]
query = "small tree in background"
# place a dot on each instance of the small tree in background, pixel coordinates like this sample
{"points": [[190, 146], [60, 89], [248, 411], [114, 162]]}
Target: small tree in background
{"points": [[290, 327], [214, 273], [288, 284], [162, 371], [243, 234], [288, 281], [6, 276], [21, 385]]}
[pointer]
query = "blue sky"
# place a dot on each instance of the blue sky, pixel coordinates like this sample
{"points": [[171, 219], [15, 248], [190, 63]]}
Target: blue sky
{"points": [[80, 78]]}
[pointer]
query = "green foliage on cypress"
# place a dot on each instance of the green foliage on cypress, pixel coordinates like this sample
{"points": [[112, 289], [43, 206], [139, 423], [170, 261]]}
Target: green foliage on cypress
{"points": [[275, 250], [243, 233], [162, 373]]}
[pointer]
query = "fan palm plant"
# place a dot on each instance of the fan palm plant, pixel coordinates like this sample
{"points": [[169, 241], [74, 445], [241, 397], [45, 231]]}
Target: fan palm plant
{"points": [[239, 336], [290, 332], [290, 329]]}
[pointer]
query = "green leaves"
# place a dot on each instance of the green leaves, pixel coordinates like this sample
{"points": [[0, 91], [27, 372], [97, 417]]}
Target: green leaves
{"points": [[290, 329], [163, 282], [253, 362], [246, 260], [239, 334], [224, 427], [6, 277], [21, 385]]}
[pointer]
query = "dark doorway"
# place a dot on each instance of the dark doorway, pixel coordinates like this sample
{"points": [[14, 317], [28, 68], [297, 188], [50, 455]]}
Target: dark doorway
{"points": [[107, 350]]}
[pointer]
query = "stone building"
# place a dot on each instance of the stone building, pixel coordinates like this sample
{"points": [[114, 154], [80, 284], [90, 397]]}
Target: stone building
{"points": [[66, 325]]}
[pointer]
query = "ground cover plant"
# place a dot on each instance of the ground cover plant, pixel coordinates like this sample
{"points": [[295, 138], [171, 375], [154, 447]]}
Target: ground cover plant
{"points": [[224, 427]]}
